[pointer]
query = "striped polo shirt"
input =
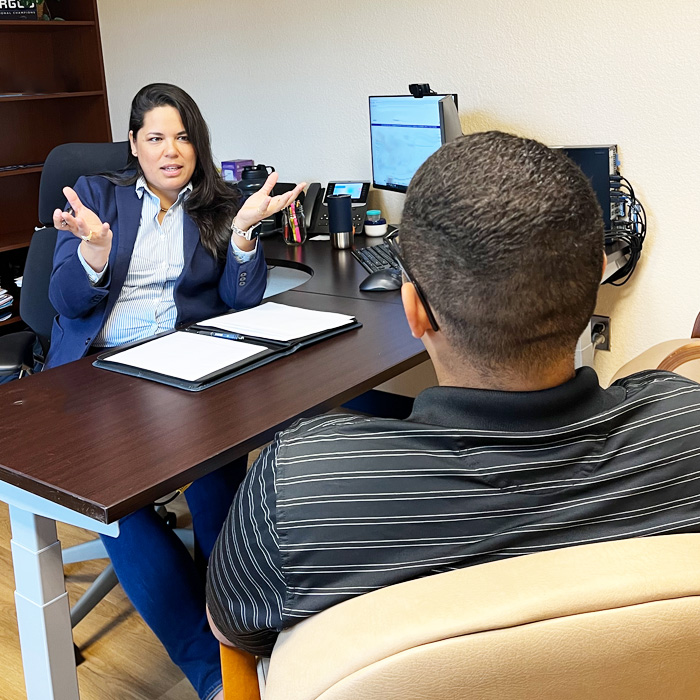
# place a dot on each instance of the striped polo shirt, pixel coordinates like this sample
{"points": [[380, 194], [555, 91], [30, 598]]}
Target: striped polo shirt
{"points": [[338, 506]]}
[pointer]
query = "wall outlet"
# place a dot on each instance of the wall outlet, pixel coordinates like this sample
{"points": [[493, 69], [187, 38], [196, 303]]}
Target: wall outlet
{"points": [[600, 332]]}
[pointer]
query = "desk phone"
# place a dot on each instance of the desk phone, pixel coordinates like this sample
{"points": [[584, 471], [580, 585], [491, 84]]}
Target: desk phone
{"points": [[316, 204]]}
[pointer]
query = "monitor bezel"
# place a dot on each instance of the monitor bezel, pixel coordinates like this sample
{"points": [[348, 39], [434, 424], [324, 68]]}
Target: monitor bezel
{"points": [[402, 188]]}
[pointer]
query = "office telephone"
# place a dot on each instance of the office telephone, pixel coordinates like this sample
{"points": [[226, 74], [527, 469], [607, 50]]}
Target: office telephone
{"points": [[316, 206]]}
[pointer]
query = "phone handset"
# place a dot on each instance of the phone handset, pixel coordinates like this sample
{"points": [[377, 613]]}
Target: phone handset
{"points": [[312, 203]]}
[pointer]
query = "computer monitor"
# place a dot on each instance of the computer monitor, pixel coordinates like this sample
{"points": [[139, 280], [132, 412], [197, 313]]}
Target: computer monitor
{"points": [[404, 131], [598, 163]]}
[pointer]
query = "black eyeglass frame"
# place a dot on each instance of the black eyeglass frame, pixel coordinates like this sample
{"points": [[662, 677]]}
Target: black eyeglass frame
{"points": [[392, 241]]}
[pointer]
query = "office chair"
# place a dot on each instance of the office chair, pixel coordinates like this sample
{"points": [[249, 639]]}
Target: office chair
{"points": [[17, 350], [63, 166], [607, 621], [679, 356]]}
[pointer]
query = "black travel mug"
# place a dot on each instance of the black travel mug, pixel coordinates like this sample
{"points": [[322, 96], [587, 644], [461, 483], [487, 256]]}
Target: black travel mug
{"points": [[340, 220]]}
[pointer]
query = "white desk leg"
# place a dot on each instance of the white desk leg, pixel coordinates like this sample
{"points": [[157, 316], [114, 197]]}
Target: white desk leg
{"points": [[43, 612]]}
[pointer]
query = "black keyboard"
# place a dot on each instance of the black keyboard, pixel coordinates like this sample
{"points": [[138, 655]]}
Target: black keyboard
{"points": [[376, 257]]}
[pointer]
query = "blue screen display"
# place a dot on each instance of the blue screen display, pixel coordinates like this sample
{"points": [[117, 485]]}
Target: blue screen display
{"points": [[404, 132], [354, 189]]}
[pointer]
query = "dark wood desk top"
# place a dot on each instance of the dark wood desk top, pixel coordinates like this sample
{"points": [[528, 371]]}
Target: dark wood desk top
{"points": [[104, 444], [336, 272]]}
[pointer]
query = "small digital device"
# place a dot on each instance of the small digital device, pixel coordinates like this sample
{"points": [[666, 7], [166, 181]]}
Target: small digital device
{"points": [[404, 131], [598, 164]]}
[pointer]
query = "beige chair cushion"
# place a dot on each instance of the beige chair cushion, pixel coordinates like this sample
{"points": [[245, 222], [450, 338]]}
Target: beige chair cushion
{"points": [[616, 620], [656, 355]]}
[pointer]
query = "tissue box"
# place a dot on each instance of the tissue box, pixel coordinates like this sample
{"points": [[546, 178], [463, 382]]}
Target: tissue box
{"points": [[231, 169]]}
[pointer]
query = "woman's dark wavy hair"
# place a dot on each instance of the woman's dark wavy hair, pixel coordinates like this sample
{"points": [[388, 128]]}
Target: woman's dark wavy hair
{"points": [[213, 203]]}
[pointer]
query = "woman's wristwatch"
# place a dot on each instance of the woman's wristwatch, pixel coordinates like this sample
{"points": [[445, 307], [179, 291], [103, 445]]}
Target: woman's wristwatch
{"points": [[250, 234]]}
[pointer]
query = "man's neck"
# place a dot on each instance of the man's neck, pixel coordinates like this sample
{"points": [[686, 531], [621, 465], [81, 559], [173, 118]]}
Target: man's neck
{"points": [[453, 371], [507, 381]]}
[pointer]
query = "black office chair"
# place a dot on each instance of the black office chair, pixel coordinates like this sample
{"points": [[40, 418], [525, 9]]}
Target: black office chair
{"points": [[20, 352]]}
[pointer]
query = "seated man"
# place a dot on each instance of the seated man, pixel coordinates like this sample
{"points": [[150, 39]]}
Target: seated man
{"points": [[515, 452]]}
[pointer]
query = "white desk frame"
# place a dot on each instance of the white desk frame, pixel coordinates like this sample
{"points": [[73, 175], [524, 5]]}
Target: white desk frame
{"points": [[41, 601]]}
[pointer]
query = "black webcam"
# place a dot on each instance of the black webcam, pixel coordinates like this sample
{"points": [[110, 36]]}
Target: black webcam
{"points": [[420, 89]]}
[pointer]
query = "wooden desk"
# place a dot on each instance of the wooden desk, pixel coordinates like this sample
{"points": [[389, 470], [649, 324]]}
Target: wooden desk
{"points": [[87, 446]]}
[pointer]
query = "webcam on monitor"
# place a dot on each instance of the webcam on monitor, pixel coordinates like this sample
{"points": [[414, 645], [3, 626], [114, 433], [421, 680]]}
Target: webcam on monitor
{"points": [[420, 89]]}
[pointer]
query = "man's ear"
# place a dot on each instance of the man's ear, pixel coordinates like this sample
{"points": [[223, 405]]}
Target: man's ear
{"points": [[132, 143], [605, 264], [418, 320]]}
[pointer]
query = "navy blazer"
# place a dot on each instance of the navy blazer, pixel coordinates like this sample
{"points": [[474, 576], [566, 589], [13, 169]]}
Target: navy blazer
{"points": [[205, 288]]}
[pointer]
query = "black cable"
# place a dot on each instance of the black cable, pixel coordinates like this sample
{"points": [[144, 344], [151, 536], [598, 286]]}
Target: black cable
{"points": [[177, 493], [629, 228]]}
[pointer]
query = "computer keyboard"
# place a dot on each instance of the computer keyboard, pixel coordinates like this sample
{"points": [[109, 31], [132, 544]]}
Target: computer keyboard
{"points": [[376, 257]]}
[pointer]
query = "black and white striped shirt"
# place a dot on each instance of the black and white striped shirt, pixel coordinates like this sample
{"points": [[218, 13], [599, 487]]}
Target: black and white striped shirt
{"points": [[341, 505]]}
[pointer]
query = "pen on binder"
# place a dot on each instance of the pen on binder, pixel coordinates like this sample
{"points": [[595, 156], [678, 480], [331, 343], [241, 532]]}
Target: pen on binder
{"points": [[221, 334]]}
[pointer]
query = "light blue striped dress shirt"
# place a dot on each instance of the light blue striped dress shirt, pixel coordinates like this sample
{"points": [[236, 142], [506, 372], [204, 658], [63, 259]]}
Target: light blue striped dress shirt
{"points": [[146, 304]]}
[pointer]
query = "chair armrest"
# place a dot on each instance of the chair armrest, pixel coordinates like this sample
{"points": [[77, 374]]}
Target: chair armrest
{"points": [[16, 351], [685, 353], [239, 673]]}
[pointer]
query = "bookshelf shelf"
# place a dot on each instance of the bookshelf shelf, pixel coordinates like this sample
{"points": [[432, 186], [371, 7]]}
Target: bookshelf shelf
{"points": [[61, 98]]}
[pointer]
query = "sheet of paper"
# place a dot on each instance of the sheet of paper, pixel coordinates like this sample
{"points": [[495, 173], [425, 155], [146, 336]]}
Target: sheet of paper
{"points": [[278, 321], [187, 356]]}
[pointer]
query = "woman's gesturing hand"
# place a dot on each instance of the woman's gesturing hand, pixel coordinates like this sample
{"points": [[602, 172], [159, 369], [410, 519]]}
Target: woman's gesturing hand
{"points": [[86, 225], [260, 204]]}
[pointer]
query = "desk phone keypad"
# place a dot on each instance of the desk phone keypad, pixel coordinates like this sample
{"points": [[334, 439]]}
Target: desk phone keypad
{"points": [[358, 220]]}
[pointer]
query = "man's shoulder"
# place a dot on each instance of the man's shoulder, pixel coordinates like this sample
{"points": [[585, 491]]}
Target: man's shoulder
{"points": [[660, 382], [338, 425], [330, 435]]}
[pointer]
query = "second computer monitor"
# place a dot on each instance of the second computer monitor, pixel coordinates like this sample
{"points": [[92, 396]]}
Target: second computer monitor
{"points": [[598, 163], [404, 131]]}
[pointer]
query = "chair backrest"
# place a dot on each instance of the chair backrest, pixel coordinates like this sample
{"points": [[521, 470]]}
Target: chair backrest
{"points": [[63, 166], [617, 620], [67, 162], [681, 356], [35, 309]]}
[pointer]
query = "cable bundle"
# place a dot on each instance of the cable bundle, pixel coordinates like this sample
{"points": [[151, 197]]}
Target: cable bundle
{"points": [[628, 226]]}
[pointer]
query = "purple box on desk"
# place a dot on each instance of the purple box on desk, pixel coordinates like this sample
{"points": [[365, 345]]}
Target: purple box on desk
{"points": [[231, 169]]}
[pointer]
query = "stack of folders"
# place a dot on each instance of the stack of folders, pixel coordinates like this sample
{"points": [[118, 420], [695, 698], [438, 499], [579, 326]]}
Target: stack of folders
{"points": [[6, 300], [219, 348]]}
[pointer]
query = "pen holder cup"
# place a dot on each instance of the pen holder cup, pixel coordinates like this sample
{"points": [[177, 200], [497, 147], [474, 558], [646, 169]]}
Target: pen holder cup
{"points": [[294, 226]]}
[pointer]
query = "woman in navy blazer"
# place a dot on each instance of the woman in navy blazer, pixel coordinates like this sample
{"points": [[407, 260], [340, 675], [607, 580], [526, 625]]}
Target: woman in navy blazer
{"points": [[163, 243]]}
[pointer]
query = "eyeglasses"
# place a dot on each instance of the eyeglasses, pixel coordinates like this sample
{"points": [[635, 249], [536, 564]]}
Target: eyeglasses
{"points": [[392, 240]]}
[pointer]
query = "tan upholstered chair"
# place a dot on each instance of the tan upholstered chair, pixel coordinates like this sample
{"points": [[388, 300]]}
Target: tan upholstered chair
{"points": [[611, 621], [681, 356]]}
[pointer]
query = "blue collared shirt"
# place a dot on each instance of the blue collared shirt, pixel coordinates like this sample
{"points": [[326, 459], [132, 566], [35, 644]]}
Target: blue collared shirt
{"points": [[146, 303]]}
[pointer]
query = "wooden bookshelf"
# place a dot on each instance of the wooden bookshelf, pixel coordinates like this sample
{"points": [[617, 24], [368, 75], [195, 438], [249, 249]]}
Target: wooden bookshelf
{"points": [[52, 91]]}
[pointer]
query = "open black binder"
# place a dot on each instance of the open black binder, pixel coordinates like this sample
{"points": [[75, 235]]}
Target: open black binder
{"points": [[214, 341]]}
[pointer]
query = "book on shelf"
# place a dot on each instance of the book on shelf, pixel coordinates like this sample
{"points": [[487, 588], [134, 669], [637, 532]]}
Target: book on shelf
{"points": [[219, 348]]}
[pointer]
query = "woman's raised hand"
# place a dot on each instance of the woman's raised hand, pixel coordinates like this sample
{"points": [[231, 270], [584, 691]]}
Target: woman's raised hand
{"points": [[260, 204], [86, 225]]}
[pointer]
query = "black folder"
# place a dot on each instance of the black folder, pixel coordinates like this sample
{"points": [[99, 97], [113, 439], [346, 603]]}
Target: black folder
{"points": [[215, 343]]}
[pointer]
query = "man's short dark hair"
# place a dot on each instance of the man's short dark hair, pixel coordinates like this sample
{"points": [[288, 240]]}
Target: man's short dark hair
{"points": [[505, 236]]}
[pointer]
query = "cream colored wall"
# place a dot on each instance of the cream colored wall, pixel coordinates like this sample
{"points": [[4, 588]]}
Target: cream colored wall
{"points": [[287, 84]]}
